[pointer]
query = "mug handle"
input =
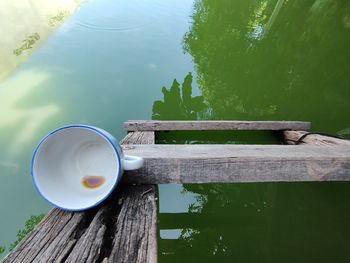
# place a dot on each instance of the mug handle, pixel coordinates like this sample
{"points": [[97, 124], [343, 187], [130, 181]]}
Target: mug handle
{"points": [[131, 162]]}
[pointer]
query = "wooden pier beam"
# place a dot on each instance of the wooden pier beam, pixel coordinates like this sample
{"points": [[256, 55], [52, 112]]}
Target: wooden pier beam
{"points": [[121, 229], [214, 125], [239, 163]]}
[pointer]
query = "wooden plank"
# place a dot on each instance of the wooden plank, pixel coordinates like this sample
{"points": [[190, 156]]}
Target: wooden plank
{"points": [[56, 225], [143, 125], [209, 151], [121, 229], [138, 137], [136, 238], [293, 137], [239, 163]]}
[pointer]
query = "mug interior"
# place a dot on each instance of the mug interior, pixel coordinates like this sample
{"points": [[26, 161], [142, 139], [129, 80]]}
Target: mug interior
{"points": [[67, 156]]}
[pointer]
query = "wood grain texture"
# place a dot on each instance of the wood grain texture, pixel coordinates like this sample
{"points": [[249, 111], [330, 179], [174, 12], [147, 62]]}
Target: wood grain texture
{"points": [[239, 163], [143, 125], [292, 137], [121, 229], [43, 241], [135, 238], [138, 137]]}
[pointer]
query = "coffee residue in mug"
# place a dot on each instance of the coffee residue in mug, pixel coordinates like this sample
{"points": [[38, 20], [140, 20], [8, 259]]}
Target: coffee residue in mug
{"points": [[93, 181]]}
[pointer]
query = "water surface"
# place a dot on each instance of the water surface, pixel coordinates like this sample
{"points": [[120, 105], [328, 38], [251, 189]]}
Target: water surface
{"points": [[252, 60], [261, 60], [104, 65]]}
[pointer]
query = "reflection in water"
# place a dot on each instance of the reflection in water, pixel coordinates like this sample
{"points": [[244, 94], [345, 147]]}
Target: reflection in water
{"points": [[273, 16], [345, 133], [27, 44], [179, 104], [253, 59], [29, 225], [9, 167], [266, 60], [78, 76], [25, 25], [58, 18], [273, 59], [222, 40], [12, 93], [284, 222]]}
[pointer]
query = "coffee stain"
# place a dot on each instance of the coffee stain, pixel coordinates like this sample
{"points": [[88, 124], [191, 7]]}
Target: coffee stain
{"points": [[92, 181]]}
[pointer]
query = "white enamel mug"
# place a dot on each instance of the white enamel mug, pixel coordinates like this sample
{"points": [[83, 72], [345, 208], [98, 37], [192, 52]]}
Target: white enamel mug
{"points": [[76, 167]]}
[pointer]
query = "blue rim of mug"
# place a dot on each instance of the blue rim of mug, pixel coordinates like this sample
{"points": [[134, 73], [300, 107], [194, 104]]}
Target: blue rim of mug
{"points": [[76, 126]]}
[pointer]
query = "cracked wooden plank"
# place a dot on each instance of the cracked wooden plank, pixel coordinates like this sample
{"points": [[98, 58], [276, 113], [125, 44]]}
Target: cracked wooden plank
{"points": [[135, 237]]}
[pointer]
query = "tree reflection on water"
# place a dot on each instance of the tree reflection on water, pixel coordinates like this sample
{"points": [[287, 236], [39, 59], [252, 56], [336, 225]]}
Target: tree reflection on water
{"points": [[264, 60], [273, 59], [211, 221], [178, 104], [269, 222]]}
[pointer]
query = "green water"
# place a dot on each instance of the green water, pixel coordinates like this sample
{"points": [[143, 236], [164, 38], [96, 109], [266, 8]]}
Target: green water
{"points": [[255, 60]]}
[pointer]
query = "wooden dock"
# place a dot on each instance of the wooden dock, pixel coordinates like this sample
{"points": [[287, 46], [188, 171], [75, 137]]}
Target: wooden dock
{"points": [[124, 227], [131, 126]]}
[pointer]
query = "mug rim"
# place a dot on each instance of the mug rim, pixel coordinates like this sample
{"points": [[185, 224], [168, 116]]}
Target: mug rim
{"points": [[93, 129]]}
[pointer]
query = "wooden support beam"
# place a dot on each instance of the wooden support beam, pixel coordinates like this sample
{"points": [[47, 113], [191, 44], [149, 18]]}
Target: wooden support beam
{"points": [[303, 137], [214, 125], [239, 163], [121, 229], [141, 222]]}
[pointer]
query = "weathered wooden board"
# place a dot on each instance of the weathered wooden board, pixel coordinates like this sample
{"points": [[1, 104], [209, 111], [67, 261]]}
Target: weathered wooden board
{"points": [[135, 238], [121, 229], [140, 223], [214, 125], [138, 137], [57, 225], [293, 137], [239, 163]]}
